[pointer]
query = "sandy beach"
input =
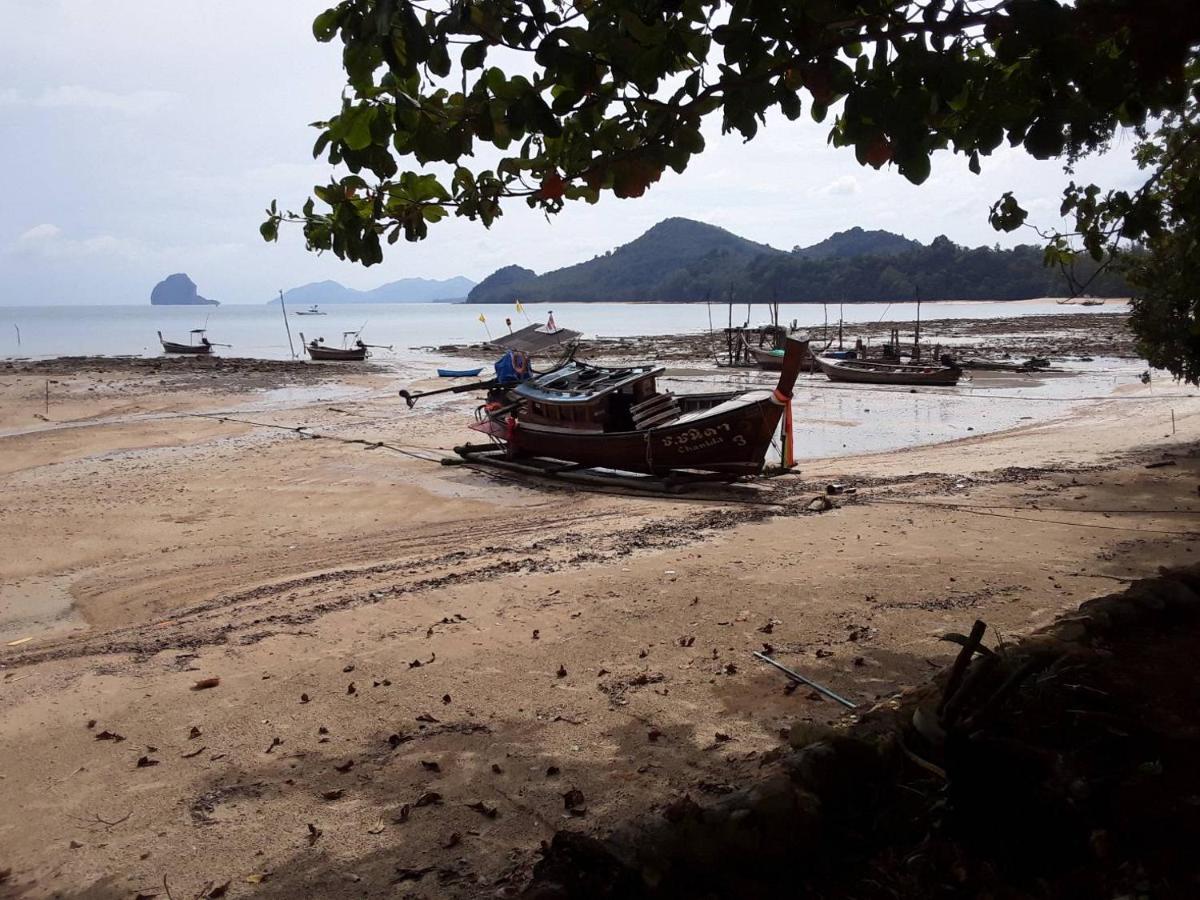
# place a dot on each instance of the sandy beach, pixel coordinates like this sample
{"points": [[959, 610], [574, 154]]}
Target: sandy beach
{"points": [[417, 661]]}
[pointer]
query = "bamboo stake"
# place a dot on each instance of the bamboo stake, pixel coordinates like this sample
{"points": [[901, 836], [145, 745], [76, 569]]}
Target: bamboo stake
{"points": [[795, 676], [286, 325]]}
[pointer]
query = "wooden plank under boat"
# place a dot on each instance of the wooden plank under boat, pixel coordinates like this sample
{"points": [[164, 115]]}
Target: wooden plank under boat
{"points": [[862, 371], [192, 349], [615, 418]]}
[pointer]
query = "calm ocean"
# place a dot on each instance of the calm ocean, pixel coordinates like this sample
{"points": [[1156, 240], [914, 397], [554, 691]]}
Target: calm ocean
{"points": [[258, 331]]}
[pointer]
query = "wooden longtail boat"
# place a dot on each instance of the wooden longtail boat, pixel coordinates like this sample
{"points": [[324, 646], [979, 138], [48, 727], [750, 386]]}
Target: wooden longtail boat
{"points": [[772, 360], [317, 350], [202, 347], [862, 371], [615, 418]]}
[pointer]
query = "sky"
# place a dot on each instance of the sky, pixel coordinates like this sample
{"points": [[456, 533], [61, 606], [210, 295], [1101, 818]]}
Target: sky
{"points": [[144, 137]]}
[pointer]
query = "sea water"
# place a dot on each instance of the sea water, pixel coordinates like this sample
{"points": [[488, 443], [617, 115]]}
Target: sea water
{"points": [[260, 332]]}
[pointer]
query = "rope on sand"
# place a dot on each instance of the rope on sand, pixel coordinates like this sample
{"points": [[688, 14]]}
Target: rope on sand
{"points": [[976, 511], [303, 431]]}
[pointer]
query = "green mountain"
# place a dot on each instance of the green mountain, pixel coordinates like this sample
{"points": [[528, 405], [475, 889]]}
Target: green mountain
{"points": [[683, 260], [857, 242], [504, 286], [662, 264]]}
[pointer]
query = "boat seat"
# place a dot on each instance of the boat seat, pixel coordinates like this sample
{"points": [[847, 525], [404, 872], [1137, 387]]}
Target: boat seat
{"points": [[649, 405], [657, 410], [668, 415]]}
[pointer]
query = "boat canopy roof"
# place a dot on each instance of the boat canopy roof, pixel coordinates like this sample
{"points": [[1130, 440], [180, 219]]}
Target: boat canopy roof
{"points": [[534, 339], [577, 382]]}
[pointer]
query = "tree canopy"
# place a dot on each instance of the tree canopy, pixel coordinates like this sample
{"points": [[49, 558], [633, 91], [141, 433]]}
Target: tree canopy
{"points": [[579, 99]]}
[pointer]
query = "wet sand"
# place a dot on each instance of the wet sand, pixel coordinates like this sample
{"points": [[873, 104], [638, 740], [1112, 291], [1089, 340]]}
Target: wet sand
{"points": [[398, 641]]}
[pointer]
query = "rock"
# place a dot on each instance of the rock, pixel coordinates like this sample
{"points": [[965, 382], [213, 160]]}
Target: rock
{"points": [[178, 290], [1110, 611], [1178, 595], [1071, 630], [1144, 594], [804, 733]]}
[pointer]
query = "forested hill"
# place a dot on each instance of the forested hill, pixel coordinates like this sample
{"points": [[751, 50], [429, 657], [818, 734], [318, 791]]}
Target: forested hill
{"points": [[857, 242], [662, 264], [679, 259]]}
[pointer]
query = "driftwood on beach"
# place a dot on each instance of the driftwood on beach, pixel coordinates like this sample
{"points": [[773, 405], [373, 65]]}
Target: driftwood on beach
{"points": [[1009, 762]]}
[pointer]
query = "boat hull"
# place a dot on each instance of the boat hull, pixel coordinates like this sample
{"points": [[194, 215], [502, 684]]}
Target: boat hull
{"points": [[458, 373], [766, 359], [335, 354], [731, 438], [186, 349], [860, 372], [772, 362]]}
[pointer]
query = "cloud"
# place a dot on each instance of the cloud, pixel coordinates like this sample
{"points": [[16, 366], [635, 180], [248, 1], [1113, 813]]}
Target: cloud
{"points": [[48, 241], [846, 184], [43, 232], [74, 96]]}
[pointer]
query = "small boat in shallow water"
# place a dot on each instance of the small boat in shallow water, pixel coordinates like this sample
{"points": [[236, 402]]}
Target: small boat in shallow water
{"points": [[317, 349], [863, 371], [335, 354], [459, 373], [772, 360], [202, 346], [616, 418]]}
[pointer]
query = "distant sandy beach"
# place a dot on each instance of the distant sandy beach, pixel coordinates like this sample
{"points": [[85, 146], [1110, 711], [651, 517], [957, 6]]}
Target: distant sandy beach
{"points": [[417, 661]]}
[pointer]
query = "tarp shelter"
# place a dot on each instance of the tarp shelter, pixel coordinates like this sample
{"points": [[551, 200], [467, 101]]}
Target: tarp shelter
{"points": [[535, 339]]}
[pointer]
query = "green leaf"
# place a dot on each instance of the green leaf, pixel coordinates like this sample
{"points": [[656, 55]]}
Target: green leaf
{"points": [[357, 126], [325, 26], [1006, 214], [474, 55], [915, 167]]}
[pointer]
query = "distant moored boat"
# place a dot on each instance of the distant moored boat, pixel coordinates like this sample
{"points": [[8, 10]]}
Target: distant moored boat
{"points": [[864, 371], [202, 344]]}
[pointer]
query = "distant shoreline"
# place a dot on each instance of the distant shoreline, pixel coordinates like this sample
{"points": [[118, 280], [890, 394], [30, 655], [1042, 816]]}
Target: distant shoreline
{"points": [[1106, 301]]}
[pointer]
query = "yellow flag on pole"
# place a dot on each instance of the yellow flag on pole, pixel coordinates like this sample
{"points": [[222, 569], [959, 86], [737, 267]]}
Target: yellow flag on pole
{"points": [[520, 308], [482, 319]]}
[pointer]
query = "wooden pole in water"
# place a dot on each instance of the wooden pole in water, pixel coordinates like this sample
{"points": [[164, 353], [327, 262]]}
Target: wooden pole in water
{"points": [[47, 396], [18, 327], [917, 333], [287, 326]]}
